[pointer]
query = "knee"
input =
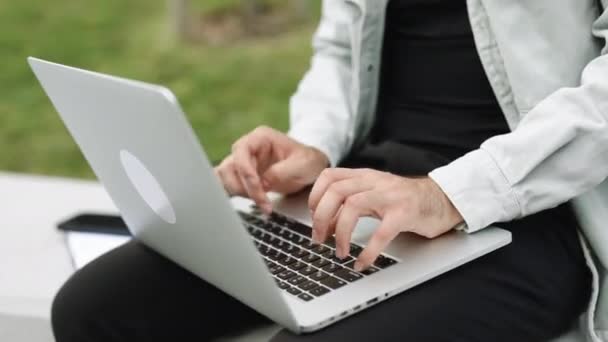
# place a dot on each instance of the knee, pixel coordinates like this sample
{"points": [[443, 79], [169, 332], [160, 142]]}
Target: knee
{"points": [[76, 308], [68, 312]]}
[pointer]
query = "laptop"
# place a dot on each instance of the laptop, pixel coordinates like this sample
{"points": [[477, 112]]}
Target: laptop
{"points": [[142, 148]]}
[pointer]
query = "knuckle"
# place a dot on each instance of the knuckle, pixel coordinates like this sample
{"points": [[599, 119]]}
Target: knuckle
{"points": [[431, 234], [237, 144], [262, 130], [326, 173], [353, 202]]}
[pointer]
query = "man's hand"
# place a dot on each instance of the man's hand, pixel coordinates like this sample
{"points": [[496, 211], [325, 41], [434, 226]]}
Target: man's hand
{"points": [[268, 160], [341, 196]]}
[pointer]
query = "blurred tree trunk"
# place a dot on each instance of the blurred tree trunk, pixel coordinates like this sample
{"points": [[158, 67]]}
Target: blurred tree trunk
{"points": [[179, 18]]}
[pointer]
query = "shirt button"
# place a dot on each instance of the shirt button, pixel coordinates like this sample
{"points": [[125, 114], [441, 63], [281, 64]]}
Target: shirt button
{"points": [[370, 68]]}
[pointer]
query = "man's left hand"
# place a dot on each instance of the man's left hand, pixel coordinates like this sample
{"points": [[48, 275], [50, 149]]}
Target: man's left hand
{"points": [[340, 197]]}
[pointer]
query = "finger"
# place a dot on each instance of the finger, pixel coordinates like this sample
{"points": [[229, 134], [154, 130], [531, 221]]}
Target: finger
{"points": [[327, 177], [329, 231], [225, 173], [232, 183], [332, 200], [287, 175], [246, 167], [349, 215], [388, 230]]}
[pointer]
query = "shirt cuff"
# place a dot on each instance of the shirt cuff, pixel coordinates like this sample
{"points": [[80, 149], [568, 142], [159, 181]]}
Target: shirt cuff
{"points": [[478, 189]]}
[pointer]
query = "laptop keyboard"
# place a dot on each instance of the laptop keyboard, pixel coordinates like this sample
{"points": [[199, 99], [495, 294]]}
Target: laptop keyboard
{"points": [[299, 266]]}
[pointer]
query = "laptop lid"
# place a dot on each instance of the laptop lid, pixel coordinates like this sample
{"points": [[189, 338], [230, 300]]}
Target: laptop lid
{"points": [[142, 148]]}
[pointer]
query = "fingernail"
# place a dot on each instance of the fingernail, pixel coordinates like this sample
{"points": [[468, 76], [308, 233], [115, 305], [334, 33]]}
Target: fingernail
{"points": [[317, 238], [340, 254], [358, 266]]}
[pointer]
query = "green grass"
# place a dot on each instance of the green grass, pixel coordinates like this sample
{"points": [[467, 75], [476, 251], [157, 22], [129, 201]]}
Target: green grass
{"points": [[225, 90]]}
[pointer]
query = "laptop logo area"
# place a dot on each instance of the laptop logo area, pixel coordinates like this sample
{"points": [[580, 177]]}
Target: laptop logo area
{"points": [[147, 186]]}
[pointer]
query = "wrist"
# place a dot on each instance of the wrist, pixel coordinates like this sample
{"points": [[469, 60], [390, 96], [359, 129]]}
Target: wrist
{"points": [[319, 159], [450, 215]]}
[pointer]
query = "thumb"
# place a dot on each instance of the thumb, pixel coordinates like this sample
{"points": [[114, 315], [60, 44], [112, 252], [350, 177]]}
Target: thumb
{"points": [[288, 175]]}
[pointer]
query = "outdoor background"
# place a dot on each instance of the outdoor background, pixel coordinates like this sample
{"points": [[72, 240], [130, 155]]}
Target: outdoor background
{"points": [[233, 64]]}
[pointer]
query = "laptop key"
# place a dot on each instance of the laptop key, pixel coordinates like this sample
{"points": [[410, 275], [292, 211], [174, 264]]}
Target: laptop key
{"points": [[320, 249], [320, 263], [348, 275], [276, 242], [332, 282], [294, 291], [369, 271], [318, 275], [287, 261], [275, 229], [355, 250], [286, 274], [266, 225], [268, 238], [275, 255], [299, 253], [300, 228], [331, 242], [296, 280], [283, 285], [297, 265], [300, 240], [384, 262], [308, 244], [319, 291], [276, 269], [288, 248], [295, 238], [307, 285], [331, 268], [305, 297], [285, 233], [308, 270], [263, 249], [341, 261], [310, 258]]}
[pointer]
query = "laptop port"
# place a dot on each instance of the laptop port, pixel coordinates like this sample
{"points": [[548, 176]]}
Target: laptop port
{"points": [[372, 301]]}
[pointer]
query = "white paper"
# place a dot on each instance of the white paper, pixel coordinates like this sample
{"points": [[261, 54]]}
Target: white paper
{"points": [[85, 247]]}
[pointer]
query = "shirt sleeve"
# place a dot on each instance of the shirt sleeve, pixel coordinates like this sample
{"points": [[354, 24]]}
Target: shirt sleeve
{"points": [[558, 151], [320, 113]]}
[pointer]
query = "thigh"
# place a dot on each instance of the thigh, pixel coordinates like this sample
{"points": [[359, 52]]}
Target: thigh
{"points": [[531, 290], [134, 294]]}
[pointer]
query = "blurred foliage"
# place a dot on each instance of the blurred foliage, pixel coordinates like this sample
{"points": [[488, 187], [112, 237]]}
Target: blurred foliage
{"points": [[226, 90]]}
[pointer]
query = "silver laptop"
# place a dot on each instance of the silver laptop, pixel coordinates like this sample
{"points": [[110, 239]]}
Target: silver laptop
{"points": [[142, 148]]}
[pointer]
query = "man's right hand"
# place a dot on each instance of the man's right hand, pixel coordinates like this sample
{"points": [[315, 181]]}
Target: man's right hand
{"points": [[268, 160]]}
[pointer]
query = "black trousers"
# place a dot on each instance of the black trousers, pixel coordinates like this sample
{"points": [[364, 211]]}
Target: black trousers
{"points": [[531, 290]]}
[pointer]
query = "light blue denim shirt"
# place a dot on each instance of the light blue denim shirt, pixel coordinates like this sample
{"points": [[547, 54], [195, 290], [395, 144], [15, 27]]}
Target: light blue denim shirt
{"points": [[546, 62]]}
